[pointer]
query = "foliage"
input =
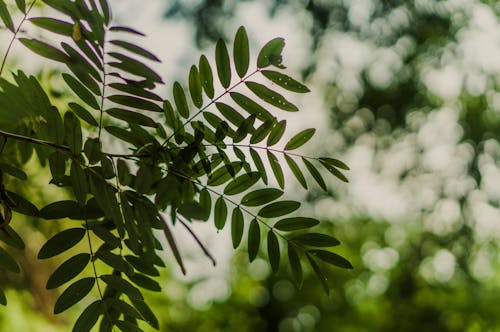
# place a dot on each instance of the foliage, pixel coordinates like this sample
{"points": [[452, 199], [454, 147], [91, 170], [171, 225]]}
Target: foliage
{"points": [[198, 155]]}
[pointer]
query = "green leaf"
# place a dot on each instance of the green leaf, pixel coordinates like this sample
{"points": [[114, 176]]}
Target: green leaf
{"points": [[145, 282], [273, 251], [135, 67], [13, 171], [132, 117], [195, 87], [135, 103], [118, 28], [193, 210], [73, 133], [296, 171], [241, 52], [251, 107], [135, 89], [11, 238], [100, 229], [253, 240], [220, 213], [83, 114], [68, 270], [295, 224], [88, 318], [135, 49], [73, 294], [147, 313], [261, 132], [53, 25], [230, 114], [7, 262], [261, 196], [123, 286], [285, 81], [241, 183], [237, 227], [79, 183], [275, 166], [276, 133], [271, 97], [127, 326], [115, 261], [59, 210], [270, 54], [335, 172], [124, 308], [5, 16], [259, 165], [294, 260], [142, 265], [3, 298], [300, 139], [223, 174], [331, 258], [92, 149], [315, 174], [319, 273], [61, 242], [223, 63], [316, 240], [105, 10], [180, 100], [278, 209], [44, 49], [206, 77], [21, 5], [23, 206]]}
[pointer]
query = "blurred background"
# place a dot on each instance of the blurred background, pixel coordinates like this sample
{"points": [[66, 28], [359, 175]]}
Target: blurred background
{"points": [[407, 93]]}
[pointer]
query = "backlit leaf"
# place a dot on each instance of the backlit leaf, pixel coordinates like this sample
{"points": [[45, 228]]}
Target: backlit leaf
{"points": [[122, 286], [319, 273], [5, 16], [7, 262], [83, 114], [53, 25], [135, 49], [315, 174], [132, 117], [335, 172], [145, 282], [88, 318], [316, 240], [79, 183], [251, 107], [135, 103]]}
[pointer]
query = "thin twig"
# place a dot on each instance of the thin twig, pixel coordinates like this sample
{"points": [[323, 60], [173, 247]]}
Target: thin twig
{"points": [[34, 140], [195, 237]]}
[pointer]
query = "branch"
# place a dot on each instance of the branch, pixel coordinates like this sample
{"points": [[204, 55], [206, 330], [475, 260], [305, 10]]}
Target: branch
{"points": [[34, 140], [195, 237]]}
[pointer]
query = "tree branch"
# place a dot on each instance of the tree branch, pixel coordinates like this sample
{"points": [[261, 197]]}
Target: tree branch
{"points": [[34, 140]]}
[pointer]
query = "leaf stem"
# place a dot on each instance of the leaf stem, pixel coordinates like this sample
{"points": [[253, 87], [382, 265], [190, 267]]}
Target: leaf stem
{"points": [[34, 141], [195, 237]]}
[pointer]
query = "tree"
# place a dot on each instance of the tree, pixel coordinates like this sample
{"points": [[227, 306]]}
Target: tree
{"points": [[198, 156]]}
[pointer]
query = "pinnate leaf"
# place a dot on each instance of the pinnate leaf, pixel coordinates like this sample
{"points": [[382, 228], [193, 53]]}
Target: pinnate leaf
{"points": [[61, 242]]}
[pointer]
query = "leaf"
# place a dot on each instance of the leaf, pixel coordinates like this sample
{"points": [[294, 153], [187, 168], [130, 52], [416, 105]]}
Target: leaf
{"points": [[142, 265], [223, 64], [319, 273], [5, 16], [127, 326], [83, 114], [61, 242], [73, 133], [173, 247], [118, 28], [135, 103], [145, 282], [300, 139], [115, 261], [261, 196], [296, 171], [276, 133], [123, 286], [135, 49], [195, 87], [135, 67], [206, 77], [295, 224], [241, 52], [278, 209], [273, 251], [13, 171], [251, 107], [180, 100], [79, 183], [73, 294], [261, 132], [230, 114], [53, 25], [59, 210], [315, 174], [3, 299], [237, 227], [223, 174], [294, 260], [316, 240], [285, 81], [7, 262], [193, 210], [270, 54], [241, 183], [68, 270], [220, 213], [105, 10], [124, 308], [275, 166], [21, 5], [259, 165], [88, 318], [253, 240], [147, 313], [11, 238], [135, 89], [22, 205], [271, 97], [335, 172], [44, 49], [132, 117], [331, 258]]}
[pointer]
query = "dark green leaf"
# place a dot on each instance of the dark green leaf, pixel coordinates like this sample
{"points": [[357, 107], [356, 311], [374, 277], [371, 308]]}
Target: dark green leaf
{"points": [[294, 260], [251, 107], [259, 165], [135, 103], [223, 63], [230, 114], [89, 317], [285, 81], [237, 227], [68, 270], [79, 183], [132, 117], [276, 133], [135, 49], [101, 231], [296, 171], [273, 250], [105, 10], [319, 273], [122, 286], [115, 261], [275, 166], [295, 223], [127, 326], [92, 149], [53, 25], [83, 114], [193, 210], [241, 183], [3, 299], [73, 294], [206, 77], [135, 67], [241, 52], [278, 209], [61, 242], [334, 162], [261, 196], [147, 313], [261, 132], [73, 132], [253, 240], [59, 210], [7, 262], [300, 139], [335, 172], [142, 265], [271, 97], [135, 89], [22, 205], [11, 238], [5, 16], [223, 174], [118, 28], [180, 100], [145, 282], [13, 171], [316, 240], [220, 213], [44, 50], [270, 54], [21, 5], [331, 258], [315, 174], [195, 87]]}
